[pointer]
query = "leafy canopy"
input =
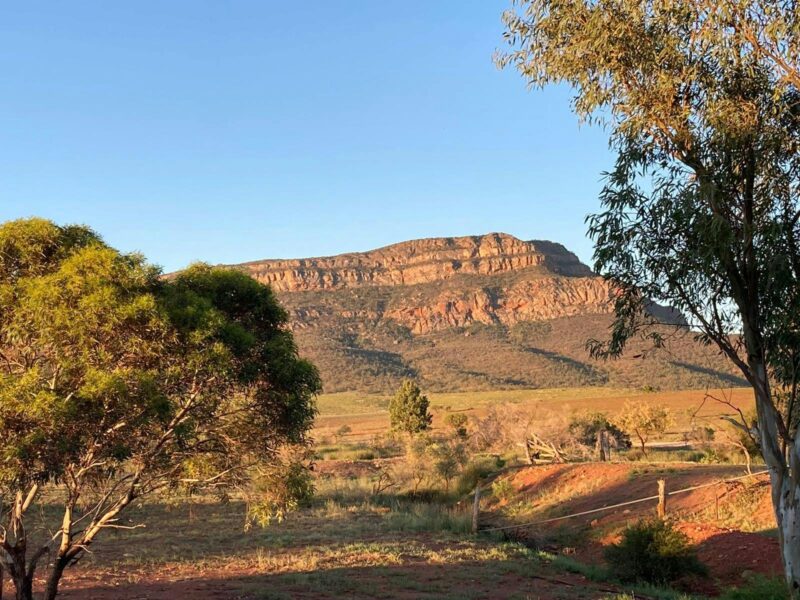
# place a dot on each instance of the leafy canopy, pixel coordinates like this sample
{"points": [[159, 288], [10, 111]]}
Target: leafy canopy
{"points": [[408, 409], [701, 210], [116, 382]]}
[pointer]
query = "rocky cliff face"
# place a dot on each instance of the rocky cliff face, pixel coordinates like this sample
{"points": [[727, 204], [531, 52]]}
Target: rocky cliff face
{"points": [[539, 299], [418, 261], [440, 283]]}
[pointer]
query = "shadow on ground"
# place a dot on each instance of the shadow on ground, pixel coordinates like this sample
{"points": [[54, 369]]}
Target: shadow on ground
{"points": [[498, 580]]}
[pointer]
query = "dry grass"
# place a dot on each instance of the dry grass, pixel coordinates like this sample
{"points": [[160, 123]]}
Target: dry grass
{"points": [[367, 415], [346, 545]]}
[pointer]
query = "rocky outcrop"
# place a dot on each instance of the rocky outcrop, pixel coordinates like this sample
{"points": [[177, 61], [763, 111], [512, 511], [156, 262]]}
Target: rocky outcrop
{"points": [[539, 299], [418, 261], [435, 284]]}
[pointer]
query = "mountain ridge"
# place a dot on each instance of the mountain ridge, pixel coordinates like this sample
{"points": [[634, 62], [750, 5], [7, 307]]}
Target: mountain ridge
{"points": [[416, 261], [470, 312]]}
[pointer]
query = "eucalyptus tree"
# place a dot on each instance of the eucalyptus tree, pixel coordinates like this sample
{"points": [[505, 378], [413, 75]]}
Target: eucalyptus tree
{"points": [[701, 210], [116, 384]]}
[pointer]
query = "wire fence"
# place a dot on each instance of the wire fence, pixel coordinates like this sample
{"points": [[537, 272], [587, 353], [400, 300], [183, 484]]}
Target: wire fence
{"points": [[623, 504]]}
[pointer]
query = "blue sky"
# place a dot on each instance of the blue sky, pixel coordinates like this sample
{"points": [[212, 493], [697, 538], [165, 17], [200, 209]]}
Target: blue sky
{"points": [[228, 131]]}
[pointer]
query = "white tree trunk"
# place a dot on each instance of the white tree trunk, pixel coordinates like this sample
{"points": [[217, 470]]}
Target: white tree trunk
{"points": [[786, 497]]}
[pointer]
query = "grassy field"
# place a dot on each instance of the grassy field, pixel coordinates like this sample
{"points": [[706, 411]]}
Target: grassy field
{"points": [[348, 544], [367, 414]]}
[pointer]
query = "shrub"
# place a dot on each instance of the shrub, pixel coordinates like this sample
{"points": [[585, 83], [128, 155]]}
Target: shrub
{"points": [[458, 423], [284, 486], [477, 470], [586, 427], [653, 551], [643, 420], [448, 457], [502, 489], [342, 432]]}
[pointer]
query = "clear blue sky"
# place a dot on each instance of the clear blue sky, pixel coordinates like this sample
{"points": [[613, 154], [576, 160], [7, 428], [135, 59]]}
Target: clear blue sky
{"points": [[228, 131]]}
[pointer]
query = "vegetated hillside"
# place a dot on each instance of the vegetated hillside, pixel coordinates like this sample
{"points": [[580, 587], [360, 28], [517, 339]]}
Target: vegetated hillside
{"points": [[469, 313]]}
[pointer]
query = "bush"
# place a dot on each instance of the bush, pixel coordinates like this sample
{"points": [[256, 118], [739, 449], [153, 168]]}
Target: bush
{"points": [[476, 471], [586, 427], [653, 551], [448, 457], [759, 588], [282, 487], [458, 424], [502, 489]]}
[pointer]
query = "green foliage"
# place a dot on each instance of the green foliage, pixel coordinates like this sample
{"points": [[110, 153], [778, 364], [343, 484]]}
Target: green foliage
{"points": [[759, 588], [477, 470], [503, 489], [116, 380], [408, 410], [586, 427], [279, 488], [653, 551], [449, 457], [457, 422], [643, 420]]}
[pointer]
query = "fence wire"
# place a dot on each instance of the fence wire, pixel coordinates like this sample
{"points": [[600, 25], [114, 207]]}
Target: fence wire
{"points": [[622, 504]]}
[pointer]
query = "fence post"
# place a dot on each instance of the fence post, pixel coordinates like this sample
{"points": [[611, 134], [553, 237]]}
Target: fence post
{"points": [[662, 499], [476, 508]]}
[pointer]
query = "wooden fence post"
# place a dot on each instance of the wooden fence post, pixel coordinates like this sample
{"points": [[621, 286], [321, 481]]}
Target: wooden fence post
{"points": [[662, 499], [476, 508]]}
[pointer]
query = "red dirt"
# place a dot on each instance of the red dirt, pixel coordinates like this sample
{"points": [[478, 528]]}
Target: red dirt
{"points": [[605, 484], [728, 553]]}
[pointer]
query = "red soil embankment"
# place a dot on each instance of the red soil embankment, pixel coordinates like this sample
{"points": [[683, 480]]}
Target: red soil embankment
{"points": [[708, 516]]}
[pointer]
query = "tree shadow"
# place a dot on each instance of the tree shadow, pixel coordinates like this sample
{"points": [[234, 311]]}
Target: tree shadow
{"points": [[489, 579], [596, 375], [728, 378]]}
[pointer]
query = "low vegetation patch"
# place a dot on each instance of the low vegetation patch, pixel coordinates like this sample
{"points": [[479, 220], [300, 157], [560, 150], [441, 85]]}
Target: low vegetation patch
{"points": [[653, 551], [759, 588]]}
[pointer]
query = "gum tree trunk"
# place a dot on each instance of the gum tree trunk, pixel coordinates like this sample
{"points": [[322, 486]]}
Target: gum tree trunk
{"points": [[783, 461], [786, 497]]}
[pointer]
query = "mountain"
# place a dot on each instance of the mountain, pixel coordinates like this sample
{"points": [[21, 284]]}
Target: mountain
{"points": [[468, 313]]}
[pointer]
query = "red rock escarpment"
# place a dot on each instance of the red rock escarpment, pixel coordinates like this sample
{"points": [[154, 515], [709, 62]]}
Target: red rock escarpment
{"points": [[434, 284], [417, 261]]}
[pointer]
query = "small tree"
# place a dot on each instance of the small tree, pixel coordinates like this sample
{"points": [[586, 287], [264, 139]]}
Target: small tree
{"points": [[458, 424], [643, 420], [449, 457], [116, 383], [594, 430], [417, 464], [341, 432], [408, 410]]}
